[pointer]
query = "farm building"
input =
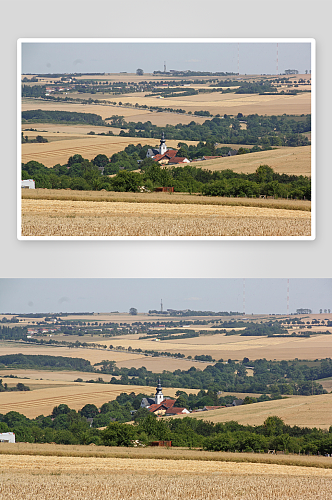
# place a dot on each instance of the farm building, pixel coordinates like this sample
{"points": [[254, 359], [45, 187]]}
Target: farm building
{"points": [[28, 184], [7, 437]]}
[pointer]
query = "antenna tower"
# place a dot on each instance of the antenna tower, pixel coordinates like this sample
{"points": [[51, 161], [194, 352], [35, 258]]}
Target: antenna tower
{"points": [[238, 58], [277, 58], [288, 297], [164, 66], [161, 305], [244, 296]]}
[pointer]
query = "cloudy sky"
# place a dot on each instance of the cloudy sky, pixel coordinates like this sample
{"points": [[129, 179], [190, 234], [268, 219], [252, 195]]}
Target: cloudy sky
{"points": [[89, 57], [107, 295]]}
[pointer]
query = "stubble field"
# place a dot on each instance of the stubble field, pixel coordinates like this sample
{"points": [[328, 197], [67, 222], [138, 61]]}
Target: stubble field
{"points": [[46, 478], [303, 411], [54, 152], [285, 160]]}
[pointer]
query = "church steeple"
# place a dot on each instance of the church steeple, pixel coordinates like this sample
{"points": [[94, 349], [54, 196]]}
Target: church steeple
{"points": [[159, 397], [162, 147]]}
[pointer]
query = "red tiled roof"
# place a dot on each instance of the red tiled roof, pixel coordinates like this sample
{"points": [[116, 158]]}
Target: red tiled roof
{"points": [[164, 405], [175, 411], [178, 159], [170, 153]]}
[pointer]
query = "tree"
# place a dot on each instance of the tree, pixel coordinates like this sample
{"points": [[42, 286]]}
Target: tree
{"points": [[133, 311], [118, 435], [139, 72], [89, 411]]}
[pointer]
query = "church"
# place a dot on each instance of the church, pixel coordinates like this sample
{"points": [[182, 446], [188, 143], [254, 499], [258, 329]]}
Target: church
{"points": [[160, 405], [163, 155]]}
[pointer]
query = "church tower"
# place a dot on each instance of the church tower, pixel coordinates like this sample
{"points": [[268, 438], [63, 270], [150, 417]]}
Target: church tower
{"points": [[162, 147], [159, 397]]}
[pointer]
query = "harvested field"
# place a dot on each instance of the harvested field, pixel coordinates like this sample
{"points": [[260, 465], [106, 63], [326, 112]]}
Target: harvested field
{"points": [[42, 401], [231, 104], [57, 131], [48, 477], [131, 114], [290, 161], [75, 218], [303, 411], [52, 153]]}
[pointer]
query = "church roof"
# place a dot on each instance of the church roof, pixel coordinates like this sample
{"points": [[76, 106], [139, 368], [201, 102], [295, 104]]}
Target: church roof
{"points": [[164, 405]]}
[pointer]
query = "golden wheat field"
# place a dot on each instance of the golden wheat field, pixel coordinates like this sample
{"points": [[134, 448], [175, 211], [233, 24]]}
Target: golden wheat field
{"points": [[304, 411], [46, 478], [166, 198], [75, 218]]}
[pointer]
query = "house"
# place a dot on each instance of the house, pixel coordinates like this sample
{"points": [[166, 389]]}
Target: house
{"points": [[7, 437], [236, 402], [28, 184], [171, 412]]}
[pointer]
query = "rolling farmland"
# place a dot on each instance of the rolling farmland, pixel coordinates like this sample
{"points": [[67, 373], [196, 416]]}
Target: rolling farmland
{"points": [[75, 395], [290, 161], [304, 411], [52, 153]]}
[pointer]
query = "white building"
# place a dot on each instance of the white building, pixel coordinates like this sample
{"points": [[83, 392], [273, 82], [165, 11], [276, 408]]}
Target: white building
{"points": [[28, 184], [7, 437]]}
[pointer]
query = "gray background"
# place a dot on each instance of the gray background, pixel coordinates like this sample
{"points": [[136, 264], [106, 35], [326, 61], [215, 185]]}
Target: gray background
{"points": [[84, 19]]}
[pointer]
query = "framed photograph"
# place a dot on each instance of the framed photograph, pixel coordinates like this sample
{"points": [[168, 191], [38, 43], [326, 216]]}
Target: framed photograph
{"points": [[166, 139]]}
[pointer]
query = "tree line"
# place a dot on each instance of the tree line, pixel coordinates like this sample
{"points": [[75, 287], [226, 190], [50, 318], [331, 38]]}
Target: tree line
{"points": [[68, 426], [269, 377], [82, 174], [285, 130]]}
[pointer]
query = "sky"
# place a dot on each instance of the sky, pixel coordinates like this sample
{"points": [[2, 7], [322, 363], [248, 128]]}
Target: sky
{"points": [[265, 296], [88, 57]]}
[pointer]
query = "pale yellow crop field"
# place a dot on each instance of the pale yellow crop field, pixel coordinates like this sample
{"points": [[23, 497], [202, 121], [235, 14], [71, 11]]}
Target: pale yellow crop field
{"points": [[130, 114], [290, 161], [75, 218], [59, 132], [94, 355], [52, 153], [42, 401], [84, 478], [231, 104], [303, 411]]}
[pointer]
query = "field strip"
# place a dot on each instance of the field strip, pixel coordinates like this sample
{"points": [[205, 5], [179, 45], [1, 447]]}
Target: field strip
{"points": [[92, 465], [101, 208]]}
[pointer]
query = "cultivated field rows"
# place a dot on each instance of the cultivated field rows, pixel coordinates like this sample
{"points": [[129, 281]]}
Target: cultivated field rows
{"points": [[46, 478]]}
